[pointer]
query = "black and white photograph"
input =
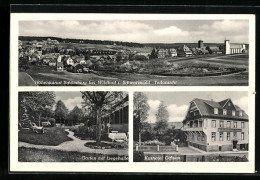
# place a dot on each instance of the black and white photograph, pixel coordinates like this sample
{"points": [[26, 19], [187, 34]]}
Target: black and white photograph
{"points": [[191, 126], [133, 52], [132, 93], [85, 126]]}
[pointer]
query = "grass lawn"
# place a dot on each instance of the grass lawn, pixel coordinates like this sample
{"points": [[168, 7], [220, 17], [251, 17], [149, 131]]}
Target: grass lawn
{"points": [[44, 155], [53, 137]]}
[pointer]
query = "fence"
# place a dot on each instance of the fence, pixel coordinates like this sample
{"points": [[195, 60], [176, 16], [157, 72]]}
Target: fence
{"points": [[157, 148]]}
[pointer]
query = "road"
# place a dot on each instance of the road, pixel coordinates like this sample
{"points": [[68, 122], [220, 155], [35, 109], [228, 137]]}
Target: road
{"points": [[26, 80]]}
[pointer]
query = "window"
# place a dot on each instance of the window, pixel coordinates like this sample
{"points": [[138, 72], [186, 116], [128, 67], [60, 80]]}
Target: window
{"points": [[235, 124], [200, 123], [198, 137], [228, 124], [242, 124], [228, 136], [221, 136], [191, 124], [215, 110], [221, 124], [224, 112], [235, 134], [242, 136], [240, 113], [229, 104], [202, 137], [233, 113], [213, 136], [213, 123]]}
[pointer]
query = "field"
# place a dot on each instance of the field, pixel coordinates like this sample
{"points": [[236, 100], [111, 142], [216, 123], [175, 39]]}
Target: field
{"points": [[47, 76]]}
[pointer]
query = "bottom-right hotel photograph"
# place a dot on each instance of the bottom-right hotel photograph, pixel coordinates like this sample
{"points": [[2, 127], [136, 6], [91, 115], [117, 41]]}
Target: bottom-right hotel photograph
{"points": [[205, 126]]}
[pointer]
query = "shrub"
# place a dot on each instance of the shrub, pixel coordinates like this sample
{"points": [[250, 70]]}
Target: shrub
{"points": [[167, 140], [154, 143], [52, 121], [126, 67], [138, 156], [146, 136], [44, 119]]}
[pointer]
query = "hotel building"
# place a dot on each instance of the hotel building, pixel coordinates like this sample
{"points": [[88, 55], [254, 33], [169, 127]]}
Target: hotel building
{"points": [[216, 126]]}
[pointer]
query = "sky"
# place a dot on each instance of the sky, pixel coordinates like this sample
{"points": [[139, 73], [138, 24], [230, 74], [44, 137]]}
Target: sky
{"points": [[178, 102], [70, 99], [149, 31]]}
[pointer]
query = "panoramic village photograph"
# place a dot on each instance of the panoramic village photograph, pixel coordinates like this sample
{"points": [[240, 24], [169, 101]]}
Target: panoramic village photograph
{"points": [[191, 126], [133, 53], [87, 126]]}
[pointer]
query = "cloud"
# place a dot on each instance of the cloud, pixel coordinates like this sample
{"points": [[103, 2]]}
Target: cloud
{"points": [[72, 102], [138, 31], [153, 104], [176, 113], [234, 30], [171, 31], [242, 103]]}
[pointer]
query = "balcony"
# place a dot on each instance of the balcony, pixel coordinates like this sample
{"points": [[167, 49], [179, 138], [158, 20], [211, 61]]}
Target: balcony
{"points": [[193, 129]]}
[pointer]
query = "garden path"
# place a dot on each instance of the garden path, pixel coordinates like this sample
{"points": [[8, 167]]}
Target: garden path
{"points": [[75, 145]]}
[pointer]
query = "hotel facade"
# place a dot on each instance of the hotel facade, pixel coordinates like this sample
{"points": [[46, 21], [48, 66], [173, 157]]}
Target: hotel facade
{"points": [[216, 126]]}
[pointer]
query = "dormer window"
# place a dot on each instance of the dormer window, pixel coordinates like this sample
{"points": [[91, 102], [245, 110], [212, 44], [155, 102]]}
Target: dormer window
{"points": [[215, 110], [233, 113], [240, 113], [224, 112]]}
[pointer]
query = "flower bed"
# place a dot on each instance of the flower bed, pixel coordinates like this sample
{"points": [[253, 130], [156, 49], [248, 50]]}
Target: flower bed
{"points": [[105, 145]]}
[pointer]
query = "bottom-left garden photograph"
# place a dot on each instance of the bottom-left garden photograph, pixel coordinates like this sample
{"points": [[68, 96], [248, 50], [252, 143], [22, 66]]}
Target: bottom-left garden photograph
{"points": [[84, 126]]}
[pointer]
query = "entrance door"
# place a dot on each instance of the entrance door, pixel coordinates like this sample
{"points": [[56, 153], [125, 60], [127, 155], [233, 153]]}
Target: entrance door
{"points": [[234, 144]]}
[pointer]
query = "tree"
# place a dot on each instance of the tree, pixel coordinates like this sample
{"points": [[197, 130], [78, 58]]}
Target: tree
{"points": [[154, 54], [35, 103], [140, 113], [100, 102], [61, 111], [162, 117], [76, 115]]}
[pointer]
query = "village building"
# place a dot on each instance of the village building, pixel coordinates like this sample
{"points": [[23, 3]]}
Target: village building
{"points": [[102, 52], [117, 120], [77, 68], [214, 50], [173, 52], [184, 51], [216, 126], [46, 60], [162, 53], [67, 61], [52, 62], [60, 66], [234, 48]]}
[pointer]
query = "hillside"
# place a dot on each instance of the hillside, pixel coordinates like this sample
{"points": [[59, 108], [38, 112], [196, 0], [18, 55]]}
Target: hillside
{"points": [[84, 41]]}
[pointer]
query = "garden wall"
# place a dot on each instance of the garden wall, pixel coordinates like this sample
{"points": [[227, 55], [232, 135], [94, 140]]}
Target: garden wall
{"points": [[157, 148]]}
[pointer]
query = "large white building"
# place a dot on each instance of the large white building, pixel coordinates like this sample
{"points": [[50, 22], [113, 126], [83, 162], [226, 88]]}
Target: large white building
{"points": [[234, 48]]}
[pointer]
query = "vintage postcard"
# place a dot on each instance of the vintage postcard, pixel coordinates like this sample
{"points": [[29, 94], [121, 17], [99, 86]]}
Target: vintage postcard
{"points": [[167, 93]]}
